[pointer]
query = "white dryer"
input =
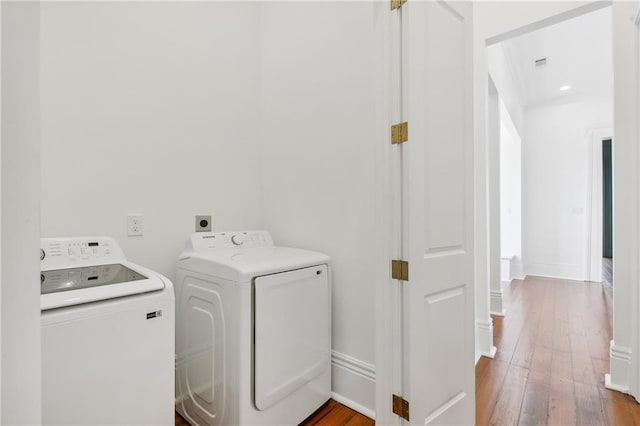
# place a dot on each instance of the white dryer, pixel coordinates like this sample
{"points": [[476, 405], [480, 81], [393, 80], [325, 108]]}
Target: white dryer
{"points": [[107, 336], [253, 331]]}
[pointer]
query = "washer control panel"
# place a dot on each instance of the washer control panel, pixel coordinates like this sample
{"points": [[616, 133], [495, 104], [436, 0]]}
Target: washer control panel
{"points": [[57, 253], [206, 241]]}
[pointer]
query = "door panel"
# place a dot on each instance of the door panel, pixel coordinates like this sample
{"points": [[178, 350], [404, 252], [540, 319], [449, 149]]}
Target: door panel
{"points": [[438, 121], [438, 299]]}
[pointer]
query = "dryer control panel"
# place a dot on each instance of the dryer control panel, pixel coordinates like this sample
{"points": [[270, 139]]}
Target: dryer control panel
{"points": [[59, 253], [207, 241]]}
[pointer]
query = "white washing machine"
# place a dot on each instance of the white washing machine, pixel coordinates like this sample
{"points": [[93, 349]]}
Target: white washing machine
{"points": [[253, 331], [107, 336]]}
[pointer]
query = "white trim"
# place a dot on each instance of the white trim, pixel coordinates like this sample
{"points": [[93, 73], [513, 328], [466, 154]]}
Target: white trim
{"points": [[609, 385], [636, 297], [354, 365], [495, 258], [1, 352], [635, 294], [516, 71], [484, 330], [594, 202], [624, 368], [552, 20], [562, 271], [496, 306], [620, 368], [353, 383], [386, 216]]}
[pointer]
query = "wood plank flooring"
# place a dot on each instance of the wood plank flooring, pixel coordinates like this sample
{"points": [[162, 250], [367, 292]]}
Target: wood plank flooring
{"points": [[553, 353], [331, 413]]}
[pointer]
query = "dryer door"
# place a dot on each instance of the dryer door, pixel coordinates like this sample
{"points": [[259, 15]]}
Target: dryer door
{"points": [[292, 338]]}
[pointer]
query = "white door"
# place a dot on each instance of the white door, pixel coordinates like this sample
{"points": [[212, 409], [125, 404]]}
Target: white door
{"points": [[438, 367]]}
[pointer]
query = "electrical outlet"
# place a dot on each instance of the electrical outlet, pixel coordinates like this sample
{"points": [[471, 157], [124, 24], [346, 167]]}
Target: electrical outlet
{"points": [[135, 225], [203, 223]]}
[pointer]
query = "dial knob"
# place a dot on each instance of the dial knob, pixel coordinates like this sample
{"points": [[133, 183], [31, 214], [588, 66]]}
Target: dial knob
{"points": [[42, 254], [237, 239]]}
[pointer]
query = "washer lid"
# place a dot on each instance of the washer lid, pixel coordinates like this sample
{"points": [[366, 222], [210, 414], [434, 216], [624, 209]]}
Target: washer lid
{"points": [[76, 286], [243, 264], [77, 270]]}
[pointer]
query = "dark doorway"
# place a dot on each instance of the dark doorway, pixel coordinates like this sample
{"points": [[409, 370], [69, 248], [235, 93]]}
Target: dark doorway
{"points": [[607, 200]]}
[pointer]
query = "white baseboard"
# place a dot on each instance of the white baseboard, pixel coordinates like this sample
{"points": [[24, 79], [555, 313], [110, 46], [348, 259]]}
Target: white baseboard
{"points": [[563, 271], [353, 383], [496, 306], [516, 269], [619, 369], [485, 338], [505, 268]]}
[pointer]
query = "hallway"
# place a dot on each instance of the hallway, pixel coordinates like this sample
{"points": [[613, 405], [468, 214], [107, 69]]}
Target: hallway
{"points": [[552, 356]]}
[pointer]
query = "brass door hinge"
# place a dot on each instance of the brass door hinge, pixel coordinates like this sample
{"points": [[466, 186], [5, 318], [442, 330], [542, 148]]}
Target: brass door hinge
{"points": [[400, 132], [397, 4], [401, 407], [400, 270]]}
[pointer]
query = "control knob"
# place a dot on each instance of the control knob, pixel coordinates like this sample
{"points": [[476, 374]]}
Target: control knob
{"points": [[237, 239]]}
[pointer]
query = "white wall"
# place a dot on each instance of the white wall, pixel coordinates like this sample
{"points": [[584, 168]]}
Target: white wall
{"points": [[510, 187], [150, 108], [318, 100], [259, 114], [556, 158], [508, 84], [20, 225], [493, 159]]}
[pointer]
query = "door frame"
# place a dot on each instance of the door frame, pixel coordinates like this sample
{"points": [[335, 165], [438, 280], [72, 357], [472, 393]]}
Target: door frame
{"points": [[388, 214], [387, 219], [593, 223], [624, 373]]}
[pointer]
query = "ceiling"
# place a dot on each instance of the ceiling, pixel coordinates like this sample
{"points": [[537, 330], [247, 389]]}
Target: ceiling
{"points": [[579, 54]]}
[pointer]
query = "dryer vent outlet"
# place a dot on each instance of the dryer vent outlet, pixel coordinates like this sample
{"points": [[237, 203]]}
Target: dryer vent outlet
{"points": [[203, 223]]}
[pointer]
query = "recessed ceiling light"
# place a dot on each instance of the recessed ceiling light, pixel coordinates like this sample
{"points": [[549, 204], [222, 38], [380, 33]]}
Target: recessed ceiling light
{"points": [[565, 88]]}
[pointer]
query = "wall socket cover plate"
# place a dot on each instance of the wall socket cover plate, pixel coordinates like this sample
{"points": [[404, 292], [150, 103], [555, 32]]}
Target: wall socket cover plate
{"points": [[135, 225], [203, 223]]}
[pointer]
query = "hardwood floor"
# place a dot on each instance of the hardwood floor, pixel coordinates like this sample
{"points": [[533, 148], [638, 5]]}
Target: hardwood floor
{"points": [[331, 413], [553, 353], [334, 413]]}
